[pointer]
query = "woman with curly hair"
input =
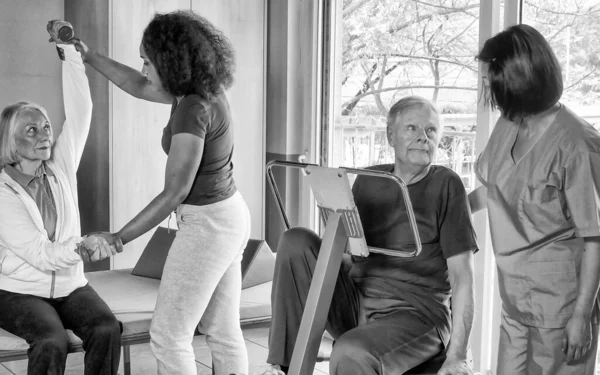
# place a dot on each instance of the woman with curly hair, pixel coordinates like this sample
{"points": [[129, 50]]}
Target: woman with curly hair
{"points": [[189, 64]]}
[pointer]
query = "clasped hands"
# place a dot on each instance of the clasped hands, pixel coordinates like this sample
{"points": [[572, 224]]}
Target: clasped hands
{"points": [[99, 245]]}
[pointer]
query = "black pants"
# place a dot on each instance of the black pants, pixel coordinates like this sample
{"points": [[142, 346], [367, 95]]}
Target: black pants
{"points": [[42, 322], [393, 343]]}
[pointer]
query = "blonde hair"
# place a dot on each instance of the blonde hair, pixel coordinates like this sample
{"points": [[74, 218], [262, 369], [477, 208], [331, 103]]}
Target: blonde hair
{"points": [[8, 128]]}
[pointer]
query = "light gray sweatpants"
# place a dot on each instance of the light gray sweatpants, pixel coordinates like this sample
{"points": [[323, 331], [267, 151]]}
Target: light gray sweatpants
{"points": [[201, 286]]}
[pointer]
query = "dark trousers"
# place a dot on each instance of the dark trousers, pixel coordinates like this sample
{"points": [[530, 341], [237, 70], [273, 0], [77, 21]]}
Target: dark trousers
{"points": [[42, 322], [391, 344]]}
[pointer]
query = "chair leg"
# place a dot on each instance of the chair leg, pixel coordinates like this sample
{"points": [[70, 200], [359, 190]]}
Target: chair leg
{"points": [[319, 297], [126, 360]]}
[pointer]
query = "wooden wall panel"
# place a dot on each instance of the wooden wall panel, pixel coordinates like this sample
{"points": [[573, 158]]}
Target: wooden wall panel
{"points": [[244, 23], [137, 159]]}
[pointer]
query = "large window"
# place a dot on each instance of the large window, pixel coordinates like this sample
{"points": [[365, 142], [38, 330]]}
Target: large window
{"points": [[383, 50], [573, 30], [391, 49]]}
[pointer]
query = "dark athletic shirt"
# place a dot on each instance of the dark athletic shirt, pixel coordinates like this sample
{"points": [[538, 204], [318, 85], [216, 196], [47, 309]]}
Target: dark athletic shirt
{"points": [[210, 121], [443, 217]]}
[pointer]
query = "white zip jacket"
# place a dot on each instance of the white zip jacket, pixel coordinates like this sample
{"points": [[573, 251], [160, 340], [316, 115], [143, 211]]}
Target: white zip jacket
{"points": [[29, 262]]}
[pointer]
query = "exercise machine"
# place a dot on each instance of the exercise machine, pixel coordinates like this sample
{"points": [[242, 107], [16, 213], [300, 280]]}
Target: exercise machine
{"points": [[343, 232]]}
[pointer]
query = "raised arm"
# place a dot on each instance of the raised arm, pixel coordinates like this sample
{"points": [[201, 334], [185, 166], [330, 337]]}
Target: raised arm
{"points": [[77, 102], [126, 78]]}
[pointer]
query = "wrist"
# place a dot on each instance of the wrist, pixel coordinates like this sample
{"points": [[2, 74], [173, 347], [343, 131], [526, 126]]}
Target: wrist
{"points": [[120, 234], [456, 356], [585, 314], [583, 310], [119, 238], [88, 56]]}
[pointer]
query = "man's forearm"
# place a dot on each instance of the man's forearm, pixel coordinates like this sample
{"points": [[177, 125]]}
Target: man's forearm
{"points": [[590, 277], [462, 317]]}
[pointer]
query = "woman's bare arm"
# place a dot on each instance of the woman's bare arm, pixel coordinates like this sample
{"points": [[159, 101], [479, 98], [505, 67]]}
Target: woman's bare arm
{"points": [[126, 78]]}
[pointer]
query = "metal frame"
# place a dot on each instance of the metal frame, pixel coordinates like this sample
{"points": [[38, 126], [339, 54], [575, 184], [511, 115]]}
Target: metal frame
{"points": [[365, 172], [333, 246]]}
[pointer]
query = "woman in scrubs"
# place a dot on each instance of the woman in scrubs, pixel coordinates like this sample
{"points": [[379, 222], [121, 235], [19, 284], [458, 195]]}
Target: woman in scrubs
{"points": [[540, 175]]}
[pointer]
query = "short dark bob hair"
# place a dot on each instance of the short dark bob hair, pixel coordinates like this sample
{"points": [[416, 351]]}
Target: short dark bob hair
{"points": [[190, 55], [524, 74]]}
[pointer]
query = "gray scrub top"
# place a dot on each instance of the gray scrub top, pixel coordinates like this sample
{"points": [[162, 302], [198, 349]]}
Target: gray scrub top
{"points": [[540, 207]]}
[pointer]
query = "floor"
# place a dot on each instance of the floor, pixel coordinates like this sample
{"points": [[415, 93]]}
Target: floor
{"points": [[143, 363]]}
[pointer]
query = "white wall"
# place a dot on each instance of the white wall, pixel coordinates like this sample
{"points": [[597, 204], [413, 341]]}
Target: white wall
{"points": [[137, 160], [243, 22], [29, 65]]}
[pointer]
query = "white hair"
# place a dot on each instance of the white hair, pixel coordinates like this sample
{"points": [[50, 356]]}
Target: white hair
{"points": [[8, 128]]}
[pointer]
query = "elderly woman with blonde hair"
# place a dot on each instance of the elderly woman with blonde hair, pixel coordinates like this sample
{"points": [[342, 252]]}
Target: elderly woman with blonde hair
{"points": [[43, 289]]}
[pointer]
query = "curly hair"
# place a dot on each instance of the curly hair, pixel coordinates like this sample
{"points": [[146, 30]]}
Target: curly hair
{"points": [[190, 55]]}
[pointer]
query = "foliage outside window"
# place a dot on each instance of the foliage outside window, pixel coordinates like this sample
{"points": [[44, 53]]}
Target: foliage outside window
{"points": [[392, 49]]}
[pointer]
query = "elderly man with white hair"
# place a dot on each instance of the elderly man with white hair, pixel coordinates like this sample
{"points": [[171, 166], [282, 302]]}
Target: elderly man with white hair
{"points": [[390, 315]]}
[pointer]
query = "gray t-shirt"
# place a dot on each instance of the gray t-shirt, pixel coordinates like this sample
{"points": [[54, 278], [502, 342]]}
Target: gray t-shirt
{"points": [[442, 213], [210, 121]]}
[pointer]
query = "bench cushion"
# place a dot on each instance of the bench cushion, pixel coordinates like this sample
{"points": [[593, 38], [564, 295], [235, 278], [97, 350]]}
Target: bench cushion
{"points": [[132, 299]]}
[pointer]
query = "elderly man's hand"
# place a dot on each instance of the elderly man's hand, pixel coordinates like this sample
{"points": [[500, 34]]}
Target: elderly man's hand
{"points": [[453, 366]]}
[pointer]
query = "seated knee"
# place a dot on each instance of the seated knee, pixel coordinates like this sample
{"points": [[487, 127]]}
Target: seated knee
{"points": [[109, 328], [295, 242], [55, 345], [349, 348]]}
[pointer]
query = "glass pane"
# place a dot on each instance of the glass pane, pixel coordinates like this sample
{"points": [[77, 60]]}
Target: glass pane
{"points": [[572, 29], [391, 49]]}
